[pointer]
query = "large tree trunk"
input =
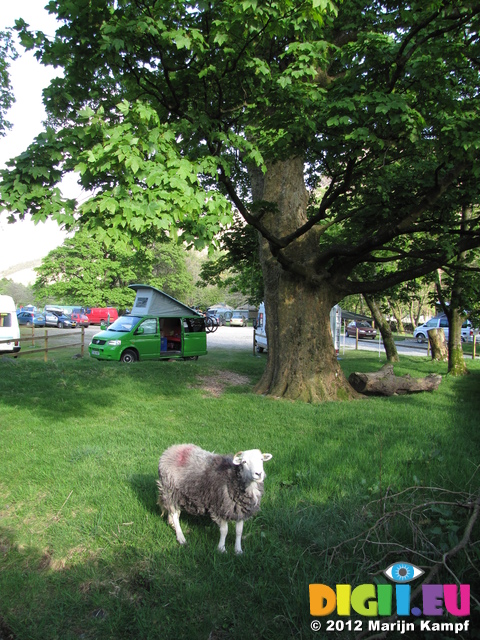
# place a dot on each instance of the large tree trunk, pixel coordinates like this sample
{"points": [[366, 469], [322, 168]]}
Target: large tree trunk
{"points": [[302, 363], [384, 328]]}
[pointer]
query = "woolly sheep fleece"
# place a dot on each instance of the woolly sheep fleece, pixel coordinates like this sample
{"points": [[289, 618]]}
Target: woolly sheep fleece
{"points": [[204, 483]]}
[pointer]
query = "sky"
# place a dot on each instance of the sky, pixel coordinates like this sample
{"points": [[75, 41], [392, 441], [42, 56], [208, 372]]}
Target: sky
{"points": [[24, 241]]}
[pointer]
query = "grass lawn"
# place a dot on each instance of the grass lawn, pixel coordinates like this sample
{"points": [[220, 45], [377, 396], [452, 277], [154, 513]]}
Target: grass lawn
{"points": [[85, 553]]}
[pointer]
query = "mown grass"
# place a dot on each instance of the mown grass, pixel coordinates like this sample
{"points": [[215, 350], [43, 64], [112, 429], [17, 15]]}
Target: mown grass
{"points": [[84, 552]]}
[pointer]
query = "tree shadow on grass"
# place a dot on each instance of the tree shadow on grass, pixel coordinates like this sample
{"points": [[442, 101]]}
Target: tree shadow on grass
{"points": [[145, 488], [66, 389], [167, 592]]}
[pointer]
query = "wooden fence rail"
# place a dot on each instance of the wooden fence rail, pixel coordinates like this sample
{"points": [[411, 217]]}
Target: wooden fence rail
{"points": [[46, 338]]}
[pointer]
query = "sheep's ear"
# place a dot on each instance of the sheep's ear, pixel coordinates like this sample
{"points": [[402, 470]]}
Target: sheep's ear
{"points": [[266, 456], [238, 457]]}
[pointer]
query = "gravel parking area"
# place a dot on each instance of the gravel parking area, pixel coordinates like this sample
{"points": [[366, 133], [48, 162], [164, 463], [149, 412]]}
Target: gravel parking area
{"points": [[223, 337], [231, 338]]}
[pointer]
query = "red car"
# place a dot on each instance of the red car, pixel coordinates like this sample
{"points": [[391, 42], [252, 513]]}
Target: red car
{"points": [[365, 329], [80, 318]]}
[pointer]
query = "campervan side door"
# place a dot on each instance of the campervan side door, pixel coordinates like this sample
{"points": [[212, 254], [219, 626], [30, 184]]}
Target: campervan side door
{"points": [[146, 339], [194, 337]]}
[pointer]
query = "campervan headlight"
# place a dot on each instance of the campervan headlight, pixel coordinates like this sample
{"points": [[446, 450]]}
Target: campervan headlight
{"points": [[114, 343]]}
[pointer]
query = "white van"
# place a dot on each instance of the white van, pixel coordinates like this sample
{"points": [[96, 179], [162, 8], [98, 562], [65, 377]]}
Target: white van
{"points": [[261, 335], [9, 329], [260, 331], [441, 322]]}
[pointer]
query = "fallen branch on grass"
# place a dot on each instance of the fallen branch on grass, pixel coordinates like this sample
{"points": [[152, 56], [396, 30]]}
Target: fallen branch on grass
{"points": [[385, 383]]}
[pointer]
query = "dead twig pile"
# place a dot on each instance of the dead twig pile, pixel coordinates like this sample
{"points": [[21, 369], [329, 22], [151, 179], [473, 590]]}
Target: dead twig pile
{"points": [[430, 527]]}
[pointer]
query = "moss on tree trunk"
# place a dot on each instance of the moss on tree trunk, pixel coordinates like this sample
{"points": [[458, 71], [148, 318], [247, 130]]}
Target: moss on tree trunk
{"points": [[456, 361]]}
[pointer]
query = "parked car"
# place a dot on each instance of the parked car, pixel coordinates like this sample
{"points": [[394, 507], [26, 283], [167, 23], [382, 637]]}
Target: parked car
{"points": [[218, 317], [238, 319], [60, 320], [31, 318], [222, 314], [468, 332], [441, 322], [365, 329], [260, 334], [80, 318]]}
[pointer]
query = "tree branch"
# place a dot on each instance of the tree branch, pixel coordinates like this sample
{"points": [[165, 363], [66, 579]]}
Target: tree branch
{"points": [[377, 241], [435, 569]]}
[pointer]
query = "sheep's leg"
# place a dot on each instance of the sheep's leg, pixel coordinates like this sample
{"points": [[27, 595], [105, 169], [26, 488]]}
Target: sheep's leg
{"points": [[174, 521], [223, 524], [238, 536]]}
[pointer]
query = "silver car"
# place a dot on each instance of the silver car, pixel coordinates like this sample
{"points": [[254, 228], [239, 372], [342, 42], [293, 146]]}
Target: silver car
{"points": [[441, 322], [60, 320]]}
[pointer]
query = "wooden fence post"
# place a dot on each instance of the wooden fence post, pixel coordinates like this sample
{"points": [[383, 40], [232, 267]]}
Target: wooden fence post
{"points": [[45, 357], [474, 350], [82, 348]]}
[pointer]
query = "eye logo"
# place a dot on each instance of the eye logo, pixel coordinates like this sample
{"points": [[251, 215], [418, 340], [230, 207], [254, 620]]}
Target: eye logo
{"points": [[403, 572]]}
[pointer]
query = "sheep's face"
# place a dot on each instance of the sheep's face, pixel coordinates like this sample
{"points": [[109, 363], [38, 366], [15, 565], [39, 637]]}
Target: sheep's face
{"points": [[252, 464]]}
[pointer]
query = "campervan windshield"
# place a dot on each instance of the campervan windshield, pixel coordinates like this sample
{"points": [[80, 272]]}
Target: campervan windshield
{"points": [[124, 324]]}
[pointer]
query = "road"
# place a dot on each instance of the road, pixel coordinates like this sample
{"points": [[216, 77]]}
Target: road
{"points": [[242, 338], [404, 347]]}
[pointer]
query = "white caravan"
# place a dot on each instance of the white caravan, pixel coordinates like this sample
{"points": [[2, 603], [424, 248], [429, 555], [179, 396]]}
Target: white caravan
{"points": [[261, 335], [9, 329]]}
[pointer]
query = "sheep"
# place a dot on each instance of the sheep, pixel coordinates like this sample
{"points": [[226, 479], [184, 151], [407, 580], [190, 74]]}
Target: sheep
{"points": [[224, 487]]}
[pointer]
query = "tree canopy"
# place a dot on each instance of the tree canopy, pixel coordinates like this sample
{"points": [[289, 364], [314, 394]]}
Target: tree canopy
{"points": [[163, 106], [237, 267], [7, 54], [177, 112], [84, 271]]}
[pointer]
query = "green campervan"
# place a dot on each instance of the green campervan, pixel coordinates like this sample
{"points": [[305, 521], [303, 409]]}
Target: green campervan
{"points": [[157, 327]]}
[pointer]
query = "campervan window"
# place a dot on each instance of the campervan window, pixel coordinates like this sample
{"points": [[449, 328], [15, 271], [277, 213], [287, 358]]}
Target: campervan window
{"points": [[149, 326], [5, 319], [194, 325]]}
